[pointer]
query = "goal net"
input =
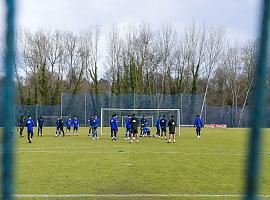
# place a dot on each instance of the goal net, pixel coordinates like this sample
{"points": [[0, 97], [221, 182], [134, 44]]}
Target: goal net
{"points": [[150, 114]]}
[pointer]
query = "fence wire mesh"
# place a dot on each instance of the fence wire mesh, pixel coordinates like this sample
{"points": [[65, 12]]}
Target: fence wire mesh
{"points": [[84, 105]]}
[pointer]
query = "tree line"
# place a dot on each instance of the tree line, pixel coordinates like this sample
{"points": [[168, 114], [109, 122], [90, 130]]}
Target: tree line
{"points": [[139, 59]]}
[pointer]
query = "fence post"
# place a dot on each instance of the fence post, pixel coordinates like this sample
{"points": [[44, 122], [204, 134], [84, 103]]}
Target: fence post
{"points": [[85, 109], [8, 104], [259, 104], [61, 108]]}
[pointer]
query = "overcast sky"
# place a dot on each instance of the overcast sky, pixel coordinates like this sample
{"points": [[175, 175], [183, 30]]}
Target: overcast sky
{"points": [[239, 17]]}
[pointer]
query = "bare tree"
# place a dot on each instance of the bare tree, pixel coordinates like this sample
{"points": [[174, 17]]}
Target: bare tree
{"points": [[233, 65], [194, 45], [90, 55], [113, 57], [165, 46], [249, 55], [214, 44]]}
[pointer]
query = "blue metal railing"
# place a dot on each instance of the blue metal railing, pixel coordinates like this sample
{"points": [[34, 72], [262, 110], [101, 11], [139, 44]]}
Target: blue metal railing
{"points": [[259, 105], [9, 59], [259, 98]]}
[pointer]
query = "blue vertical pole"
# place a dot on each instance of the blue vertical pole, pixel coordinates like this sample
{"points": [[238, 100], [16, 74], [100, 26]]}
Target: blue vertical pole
{"points": [[259, 104], [9, 59]]}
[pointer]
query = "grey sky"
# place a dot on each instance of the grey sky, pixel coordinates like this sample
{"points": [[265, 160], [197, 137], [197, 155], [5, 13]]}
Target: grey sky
{"points": [[240, 17]]}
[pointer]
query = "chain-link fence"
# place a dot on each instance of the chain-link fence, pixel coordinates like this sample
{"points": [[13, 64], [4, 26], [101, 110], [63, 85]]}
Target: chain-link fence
{"points": [[85, 105]]}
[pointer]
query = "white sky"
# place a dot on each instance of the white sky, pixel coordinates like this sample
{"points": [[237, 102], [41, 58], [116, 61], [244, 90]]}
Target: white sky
{"points": [[240, 17]]}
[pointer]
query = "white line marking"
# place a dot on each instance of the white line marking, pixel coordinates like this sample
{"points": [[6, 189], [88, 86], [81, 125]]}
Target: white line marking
{"points": [[93, 147], [129, 152], [128, 195]]}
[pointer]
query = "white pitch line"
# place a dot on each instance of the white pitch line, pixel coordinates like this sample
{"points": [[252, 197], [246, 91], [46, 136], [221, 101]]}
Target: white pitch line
{"points": [[207, 149], [146, 152], [129, 195]]}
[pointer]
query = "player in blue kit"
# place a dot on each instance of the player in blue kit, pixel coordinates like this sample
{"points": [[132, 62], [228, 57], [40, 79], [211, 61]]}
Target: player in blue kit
{"points": [[198, 124], [40, 125], [95, 123], [128, 127], [68, 126], [158, 126], [76, 125], [114, 127], [30, 128], [146, 131], [90, 123]]}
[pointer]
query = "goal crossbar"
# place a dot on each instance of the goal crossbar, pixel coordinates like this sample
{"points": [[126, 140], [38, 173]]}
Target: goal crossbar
{"points": [[139, 109]]}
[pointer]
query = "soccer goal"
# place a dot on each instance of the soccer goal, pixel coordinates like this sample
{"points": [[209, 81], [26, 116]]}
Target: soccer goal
{"points": [[106, 113]]}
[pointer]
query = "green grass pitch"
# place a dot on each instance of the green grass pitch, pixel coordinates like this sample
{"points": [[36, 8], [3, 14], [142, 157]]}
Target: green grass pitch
{"points": [[214, 165]]}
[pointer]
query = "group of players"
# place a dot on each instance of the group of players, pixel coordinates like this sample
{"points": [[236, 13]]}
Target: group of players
{"points": [[132, 127]]}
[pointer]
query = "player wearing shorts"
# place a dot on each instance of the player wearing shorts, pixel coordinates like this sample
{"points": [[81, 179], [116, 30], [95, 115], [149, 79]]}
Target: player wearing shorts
{"points": [[171, 125], [68, 126], [134, 128], [76, 125]]}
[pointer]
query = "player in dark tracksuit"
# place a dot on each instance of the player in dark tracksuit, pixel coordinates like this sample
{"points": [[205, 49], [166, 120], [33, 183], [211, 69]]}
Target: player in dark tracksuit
{"points": [[134, 128], [198, 124], [143, 124], [171, 125], [61, 127], [57, 127], [40, 125], [90, 123], [30, 128], [163, 126], [21, 125]]}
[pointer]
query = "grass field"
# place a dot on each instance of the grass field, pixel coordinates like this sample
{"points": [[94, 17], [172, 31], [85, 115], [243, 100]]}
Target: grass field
{"points": [[151, 169]]}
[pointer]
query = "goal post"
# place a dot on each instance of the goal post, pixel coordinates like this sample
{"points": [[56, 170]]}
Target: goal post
{"points": [[142, 110]]}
